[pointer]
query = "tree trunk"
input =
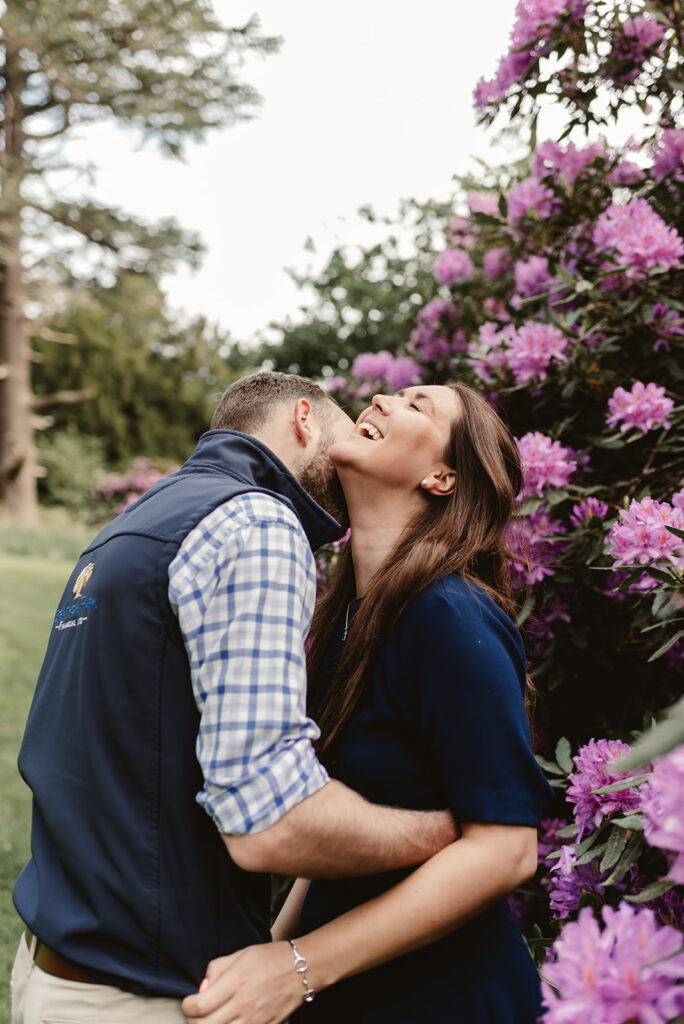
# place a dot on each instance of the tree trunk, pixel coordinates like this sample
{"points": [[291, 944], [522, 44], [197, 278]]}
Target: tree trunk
{"points": [[18, 499]]}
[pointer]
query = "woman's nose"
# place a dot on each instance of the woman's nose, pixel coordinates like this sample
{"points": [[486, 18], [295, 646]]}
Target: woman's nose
{"points": [[381, 403]]}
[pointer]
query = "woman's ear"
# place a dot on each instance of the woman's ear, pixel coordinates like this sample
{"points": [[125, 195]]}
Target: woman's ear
{"points": [[303, 421], [439, 482]]}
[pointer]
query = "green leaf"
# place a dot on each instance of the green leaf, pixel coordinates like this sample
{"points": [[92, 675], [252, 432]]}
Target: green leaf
{"points": [[563, 754], [630, 821], [617, 787], [670, 642], [652, 891], [614, 849], [635, 847], [675, 531], [667, 735], [549, 766]]}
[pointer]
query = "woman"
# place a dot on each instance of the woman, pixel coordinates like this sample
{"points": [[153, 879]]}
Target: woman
{"points": [[417, 678]]}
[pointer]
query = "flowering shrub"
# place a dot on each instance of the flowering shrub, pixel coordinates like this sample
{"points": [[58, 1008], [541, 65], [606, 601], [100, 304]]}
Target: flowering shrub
{"points": [[560, 296], [114, 492]]}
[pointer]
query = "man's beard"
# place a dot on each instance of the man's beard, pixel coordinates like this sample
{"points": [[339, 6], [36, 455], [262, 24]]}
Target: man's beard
{"points": [[321, 481]]}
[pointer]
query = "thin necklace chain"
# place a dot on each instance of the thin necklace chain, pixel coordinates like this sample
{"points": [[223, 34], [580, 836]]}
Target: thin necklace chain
{"points": [[346, 617]]}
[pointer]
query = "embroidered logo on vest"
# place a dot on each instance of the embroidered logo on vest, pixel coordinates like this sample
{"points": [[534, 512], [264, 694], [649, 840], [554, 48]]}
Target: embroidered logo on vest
{"points": [[83, 578]]}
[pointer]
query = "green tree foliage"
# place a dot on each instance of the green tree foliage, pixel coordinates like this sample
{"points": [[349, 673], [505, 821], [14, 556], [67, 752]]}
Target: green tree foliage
{"points": [[167, 69], [148, 383], [365, 298]]}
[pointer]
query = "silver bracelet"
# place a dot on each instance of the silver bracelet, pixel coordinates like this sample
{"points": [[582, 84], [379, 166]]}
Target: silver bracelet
{"points": [[301, 966]]}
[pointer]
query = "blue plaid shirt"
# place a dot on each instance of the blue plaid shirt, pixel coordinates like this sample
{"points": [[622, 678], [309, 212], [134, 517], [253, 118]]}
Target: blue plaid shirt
{"points": [[243, 585]]}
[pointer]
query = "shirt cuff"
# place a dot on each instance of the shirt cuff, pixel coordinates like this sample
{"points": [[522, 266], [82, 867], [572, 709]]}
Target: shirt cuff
{"points": [[261, 798]]}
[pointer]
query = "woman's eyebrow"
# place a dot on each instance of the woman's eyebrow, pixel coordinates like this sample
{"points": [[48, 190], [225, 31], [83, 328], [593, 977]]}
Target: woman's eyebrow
{"points": [[419, 394]]}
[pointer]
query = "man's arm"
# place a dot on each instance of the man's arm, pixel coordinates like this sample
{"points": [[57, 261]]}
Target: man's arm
{"points": [[243, 585], [336, 833]]}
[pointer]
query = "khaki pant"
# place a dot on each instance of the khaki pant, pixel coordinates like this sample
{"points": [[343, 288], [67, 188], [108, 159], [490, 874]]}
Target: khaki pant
{"points": [[38, 998]]}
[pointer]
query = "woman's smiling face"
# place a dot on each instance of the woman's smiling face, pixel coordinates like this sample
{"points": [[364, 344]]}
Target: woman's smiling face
{"points": [[401, 438]]}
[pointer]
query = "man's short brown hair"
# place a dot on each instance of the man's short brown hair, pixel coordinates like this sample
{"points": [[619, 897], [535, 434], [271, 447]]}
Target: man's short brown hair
{"points": [[247, 404]]}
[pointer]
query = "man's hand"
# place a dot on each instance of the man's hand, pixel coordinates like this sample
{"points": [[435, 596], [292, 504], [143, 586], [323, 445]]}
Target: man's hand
{"points": [[257, 985], [336, 833]]}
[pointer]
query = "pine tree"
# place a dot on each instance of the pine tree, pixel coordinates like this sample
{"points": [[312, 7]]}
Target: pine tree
{"points": [[168, 69]]}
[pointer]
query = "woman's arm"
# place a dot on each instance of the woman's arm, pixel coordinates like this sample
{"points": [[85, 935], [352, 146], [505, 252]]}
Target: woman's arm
{"points": [[285, 925], [259, 985]]}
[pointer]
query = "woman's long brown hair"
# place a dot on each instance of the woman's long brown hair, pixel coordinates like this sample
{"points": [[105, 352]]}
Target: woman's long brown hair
{"points": [[463, 533]]}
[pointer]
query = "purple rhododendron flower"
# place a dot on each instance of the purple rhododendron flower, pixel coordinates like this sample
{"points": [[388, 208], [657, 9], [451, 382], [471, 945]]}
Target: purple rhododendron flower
{"points": [[568, 881], [484, 202], [453, 266], [532, 349], [644, 407], [488, 355], [536, 548], [434, 337], [639, 236], [546, 463], [564, 163], [626, 173], [640, 535], [636, 40], [541, 625], [669, 325], [496, 261], [549, 841], [583, 511], [528, 43], [668, 155], [372, 365], [678, 499], [663, 809], [403, 373], [529, 195], [591, 762], [532, 275], [626, 972]]}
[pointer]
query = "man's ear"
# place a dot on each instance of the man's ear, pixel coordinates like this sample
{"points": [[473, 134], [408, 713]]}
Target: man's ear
{"points": [[440, 482], [304, 421]]}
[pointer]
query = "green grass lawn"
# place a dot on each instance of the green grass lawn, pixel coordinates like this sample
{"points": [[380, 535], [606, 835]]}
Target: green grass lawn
{"points": [[30, 585]]}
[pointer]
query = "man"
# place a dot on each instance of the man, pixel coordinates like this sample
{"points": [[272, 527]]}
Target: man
{"points": [[168, 747]]}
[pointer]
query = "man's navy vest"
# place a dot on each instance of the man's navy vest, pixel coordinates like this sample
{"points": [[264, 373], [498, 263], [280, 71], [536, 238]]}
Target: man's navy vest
{"points": [[129, 877]]}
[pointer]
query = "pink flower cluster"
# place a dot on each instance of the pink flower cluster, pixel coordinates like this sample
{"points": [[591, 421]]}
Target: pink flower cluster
{"points": [[668, 155], [528, 43], [639, 236], [546, 463], [543, 623], [668, 324], [453, 266], [532, 349], [626, 972], [435, 336], [488, 353], [636, 40], [640, 535], [484, 202], [529, 196], [591, 762], [644, 407], [536, 546], [663, 809], [127, 487], [532, 275], [568, 881], [584, 511], [384, 370], [564, 163], [496, 261]]}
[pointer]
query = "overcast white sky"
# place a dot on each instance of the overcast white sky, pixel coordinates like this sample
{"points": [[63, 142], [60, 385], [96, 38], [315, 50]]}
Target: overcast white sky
{"points": [[367, 102]]}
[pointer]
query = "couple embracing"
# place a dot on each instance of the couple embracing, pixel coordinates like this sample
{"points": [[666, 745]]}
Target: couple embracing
{"points": [[174, 761]]}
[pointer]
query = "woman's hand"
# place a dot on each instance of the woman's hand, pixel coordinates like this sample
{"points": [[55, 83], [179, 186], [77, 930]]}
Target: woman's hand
{"points": [[257, 985]]}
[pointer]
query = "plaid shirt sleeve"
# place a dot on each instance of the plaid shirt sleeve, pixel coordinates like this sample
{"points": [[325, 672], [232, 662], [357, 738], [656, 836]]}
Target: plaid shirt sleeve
{"points": [[243, 585]]}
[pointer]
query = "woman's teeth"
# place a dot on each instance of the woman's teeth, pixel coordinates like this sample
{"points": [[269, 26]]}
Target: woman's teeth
{"points": [[368, 430]]}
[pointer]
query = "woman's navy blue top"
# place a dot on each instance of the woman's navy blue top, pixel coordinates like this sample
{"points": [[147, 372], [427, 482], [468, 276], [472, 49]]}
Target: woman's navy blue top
{"points": [[443, 724]]}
